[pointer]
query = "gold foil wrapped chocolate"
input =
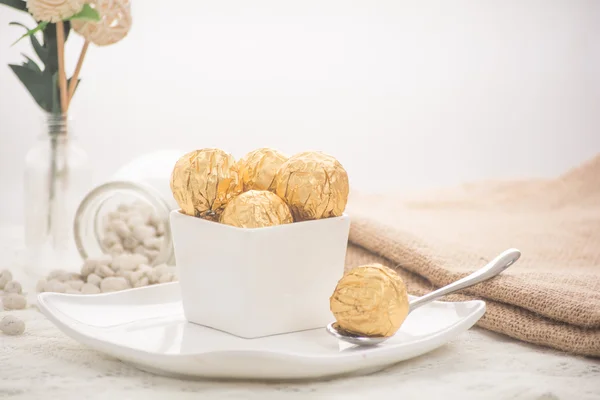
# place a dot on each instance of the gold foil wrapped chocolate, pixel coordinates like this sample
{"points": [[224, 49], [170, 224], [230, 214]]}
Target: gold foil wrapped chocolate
{"points": [[203, 181], [314, 185], [370, 300], [258, 168], [256, 209]]}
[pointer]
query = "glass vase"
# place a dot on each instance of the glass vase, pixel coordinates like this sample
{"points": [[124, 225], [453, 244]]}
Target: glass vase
{"points": [[57, 177]]}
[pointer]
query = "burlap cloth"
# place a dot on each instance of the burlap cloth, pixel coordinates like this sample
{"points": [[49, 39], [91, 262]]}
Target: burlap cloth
{"points": [[550, 297]]}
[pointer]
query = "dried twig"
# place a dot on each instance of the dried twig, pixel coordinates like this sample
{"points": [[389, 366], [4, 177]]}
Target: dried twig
{"points": [[75, 76], [62, 76]]}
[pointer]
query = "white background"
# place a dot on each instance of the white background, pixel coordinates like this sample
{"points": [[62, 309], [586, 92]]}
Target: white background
{"points": [[405, 94]]}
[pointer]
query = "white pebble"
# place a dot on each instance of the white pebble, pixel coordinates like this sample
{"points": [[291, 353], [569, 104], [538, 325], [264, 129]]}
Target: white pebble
{"points": [[76, 285], [14, 301], [160, 228], [157, 272], [154, 277], [152, 254], [161, 269], [89, 266], [104, 259], [125, 274], [62, 275], [40, 285], [143, 232], [149, 254], [104, 271], [124, 216], [168, 277], [136, 276], [114, 284], [11, 325], [128, 261], [91, 263], [54, 274], [116, 250], [146, 269], [13, 287], [144, 281], [55, 286], [120, 228], [88, 288], [153, 243], [130, 243], [154, 220], [94, 279], [72, 291], [140, 250], [75, 277], [5, 277], [142, 271], [134, 221], [110, 239]]}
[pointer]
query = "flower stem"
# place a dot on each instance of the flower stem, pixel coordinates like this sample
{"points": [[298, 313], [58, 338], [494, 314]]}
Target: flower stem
{"points": [[52, 187], [62, 76], [75, 76]]}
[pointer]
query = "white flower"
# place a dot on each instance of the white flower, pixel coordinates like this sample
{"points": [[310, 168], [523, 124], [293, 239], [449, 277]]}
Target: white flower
{"points": [[114, 24], [54, 10]]}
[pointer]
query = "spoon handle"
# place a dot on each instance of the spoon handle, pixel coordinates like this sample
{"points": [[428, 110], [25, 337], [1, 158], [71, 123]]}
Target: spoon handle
{"points": [[493, 268]]}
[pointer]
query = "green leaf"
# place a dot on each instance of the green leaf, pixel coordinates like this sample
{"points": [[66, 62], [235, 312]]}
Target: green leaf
{"points": [[41, 51], [87, 13], [20, 5], [38, 85], [41, 26], [31, 64], [43, 86]]}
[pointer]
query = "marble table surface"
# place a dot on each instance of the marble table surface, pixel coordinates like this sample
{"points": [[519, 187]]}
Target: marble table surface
{"points": [[45, 364]]}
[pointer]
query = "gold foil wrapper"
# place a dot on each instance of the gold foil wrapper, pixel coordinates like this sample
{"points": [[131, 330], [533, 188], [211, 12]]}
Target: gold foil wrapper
{"points": [[314, 185], [370, 300], [203, 181], [256, 209], [259, 167]]}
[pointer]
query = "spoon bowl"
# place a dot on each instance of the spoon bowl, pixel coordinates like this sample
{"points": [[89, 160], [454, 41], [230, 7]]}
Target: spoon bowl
{"points": [[493, 268], [334, 330]]}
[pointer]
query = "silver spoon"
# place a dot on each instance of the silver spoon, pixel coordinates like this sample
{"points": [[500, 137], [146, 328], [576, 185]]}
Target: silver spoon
{"points": [[493, 268]]}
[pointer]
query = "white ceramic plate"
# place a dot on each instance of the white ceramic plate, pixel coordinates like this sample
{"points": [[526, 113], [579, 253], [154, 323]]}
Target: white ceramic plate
{"points": [[146, 328]]}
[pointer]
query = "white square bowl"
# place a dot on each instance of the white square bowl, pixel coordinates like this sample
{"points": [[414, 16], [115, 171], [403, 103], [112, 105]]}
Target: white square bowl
{"points": [[259, 282]]}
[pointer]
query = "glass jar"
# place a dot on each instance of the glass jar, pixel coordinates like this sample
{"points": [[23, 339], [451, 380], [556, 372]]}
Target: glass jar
{"points": [[144, 182], [57, 176]]}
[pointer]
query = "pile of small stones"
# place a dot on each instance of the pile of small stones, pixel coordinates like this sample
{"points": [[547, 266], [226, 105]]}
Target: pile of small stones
{"points": [[12, 299], [133, 236], [106, 273], [101, 274], [133, 229]]}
